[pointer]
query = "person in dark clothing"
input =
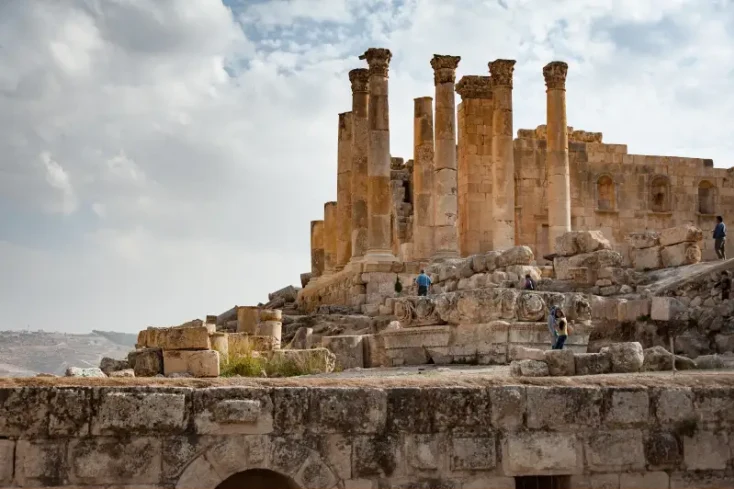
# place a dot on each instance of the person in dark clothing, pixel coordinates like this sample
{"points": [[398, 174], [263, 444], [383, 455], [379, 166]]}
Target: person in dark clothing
{"points": [[725, 285], [529, 282], [720, 238], [423, 281]]}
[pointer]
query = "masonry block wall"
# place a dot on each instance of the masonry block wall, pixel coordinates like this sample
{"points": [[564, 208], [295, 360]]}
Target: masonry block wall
{"points": [[361, 437]]}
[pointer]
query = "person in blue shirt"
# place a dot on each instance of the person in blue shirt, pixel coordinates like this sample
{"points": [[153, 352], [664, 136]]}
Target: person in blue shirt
{"points": [[720, 238], [423, 281]]}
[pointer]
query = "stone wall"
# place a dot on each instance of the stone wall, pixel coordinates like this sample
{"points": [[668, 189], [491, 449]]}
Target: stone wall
{"points": [[470, 437], [617, 192]]}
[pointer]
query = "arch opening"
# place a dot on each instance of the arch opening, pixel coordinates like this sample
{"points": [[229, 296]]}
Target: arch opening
{"points": [[660, 194], [706, 194], [258, 479], [605, 192]]}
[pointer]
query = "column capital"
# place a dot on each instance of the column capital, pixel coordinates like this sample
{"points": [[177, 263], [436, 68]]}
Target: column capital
{"points": [[378, 59], [501, 71], [444, 68], [360, 78], [472, 86], [555, 75]]}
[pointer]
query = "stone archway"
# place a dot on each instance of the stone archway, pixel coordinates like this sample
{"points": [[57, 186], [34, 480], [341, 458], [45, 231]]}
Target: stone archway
{"points": [[258, 479]]}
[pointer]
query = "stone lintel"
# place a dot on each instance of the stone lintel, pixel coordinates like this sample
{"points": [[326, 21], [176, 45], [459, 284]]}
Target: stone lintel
{"points": [[555, 75], [359, 79], [473, 86], [378, 60], [502, 71]]}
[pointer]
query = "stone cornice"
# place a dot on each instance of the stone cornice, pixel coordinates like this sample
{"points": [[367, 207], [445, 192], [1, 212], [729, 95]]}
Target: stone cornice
{"points": [[472, 86]]}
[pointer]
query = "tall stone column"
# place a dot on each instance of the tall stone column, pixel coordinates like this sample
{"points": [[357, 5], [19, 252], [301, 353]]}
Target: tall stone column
{"points": [[423, 179], [329, 237], [317, 248], [344, 192], [503, 157], [359, 79], [445, 183], [559, 175], [379, 202], [476, 220]]}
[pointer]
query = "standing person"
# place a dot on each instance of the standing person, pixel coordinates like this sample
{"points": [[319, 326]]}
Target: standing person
{"points": [[725, 285], [552, 324], [562, 332], [424, 282], [529, 282], [720, 238]]}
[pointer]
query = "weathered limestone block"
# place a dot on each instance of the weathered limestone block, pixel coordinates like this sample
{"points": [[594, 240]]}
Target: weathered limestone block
{"points": [[680, 234], [632, 310], [128, 372], [692, 343], [199, 363], [680, 254], [314, 360], [593, 261], [374, 351], [106, 461], [420, 337], [625, 357], [7, 455], [530, 307], [663, 450], [247, 319], [189, 338], [644, 480], [627, 406], [148, 362], [529, 368], [615, 451], [233, 410], [348, 350], [541, 453], [470, 453], [84, 372], [674, 404], [561, 363], [517, 255], [139, 413], [579, 242], [592, 363], [563, 408], [524, 353], [666, 308], [109, 365], [270, 315], [646, 258], [272, 329], [642, 240], [220, 343], [303, 339], [658, 358], [242, 343], [483, 343], [706, 450]]}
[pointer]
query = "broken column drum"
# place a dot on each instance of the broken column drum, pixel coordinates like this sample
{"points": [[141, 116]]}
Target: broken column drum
{"points": [[344, 192], [359, 79]]}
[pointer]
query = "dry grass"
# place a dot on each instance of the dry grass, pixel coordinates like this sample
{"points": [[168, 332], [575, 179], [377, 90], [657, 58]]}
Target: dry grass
{"points": [[694, 379], [244, 362]]}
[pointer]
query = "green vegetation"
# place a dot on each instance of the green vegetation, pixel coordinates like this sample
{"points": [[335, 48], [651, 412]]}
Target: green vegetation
{"points": [[248, 363]]}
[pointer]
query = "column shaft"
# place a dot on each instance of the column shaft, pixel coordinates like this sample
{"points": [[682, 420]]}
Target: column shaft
{"points": [[445, 184], [359, 79], [329, 237], [557, 167], [503, 156], [344, 192], [379, 202], [317, 248], [423, 171]]}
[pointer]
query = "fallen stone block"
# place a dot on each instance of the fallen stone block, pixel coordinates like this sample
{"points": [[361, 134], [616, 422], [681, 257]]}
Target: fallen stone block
{"points": [[560, 363], [109, 365], [242, 343], [658, 359], [517, 255], [528, 368], [625, 357], [199, 363], [128, 372], [680, 254], [147, 362], [347, 349], [577, 242], [632, 310], [288, 294], [642, 240], [179, 338], [680, 234], [272, 329], [592, 363], [592, 261], [666, 308], [84, 372], [524, 353], [646, 259]]}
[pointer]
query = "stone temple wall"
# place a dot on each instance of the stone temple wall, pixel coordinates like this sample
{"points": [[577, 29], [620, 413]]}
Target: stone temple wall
{"points": [[448, 437], [616, 192]]}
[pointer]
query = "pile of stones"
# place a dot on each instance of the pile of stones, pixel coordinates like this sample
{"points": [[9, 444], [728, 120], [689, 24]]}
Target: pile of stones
{"points": [[615, 358], [672, 247]]}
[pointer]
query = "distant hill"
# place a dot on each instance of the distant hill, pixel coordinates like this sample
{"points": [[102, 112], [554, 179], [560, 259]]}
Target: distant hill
{"points": [[26, 353]]}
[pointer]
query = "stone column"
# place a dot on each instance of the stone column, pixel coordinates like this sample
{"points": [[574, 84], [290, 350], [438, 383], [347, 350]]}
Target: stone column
{"points": [[344, 192], [503, 157], [359, 79], [317, 248], [423, 179], [379, 202], [329, 237], [558, 173], [445, 183], [476, 219]]}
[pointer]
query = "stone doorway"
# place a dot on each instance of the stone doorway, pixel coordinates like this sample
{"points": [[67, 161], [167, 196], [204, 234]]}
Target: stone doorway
{"points": [[258, 479], [543, 482]]}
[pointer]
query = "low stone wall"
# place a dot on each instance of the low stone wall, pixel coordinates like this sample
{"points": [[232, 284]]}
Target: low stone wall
{"points": [[449, 437]]}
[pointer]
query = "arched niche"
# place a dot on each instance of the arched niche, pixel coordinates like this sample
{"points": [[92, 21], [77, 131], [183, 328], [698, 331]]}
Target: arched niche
{"points": [[606, 193], [706, 197], [659, 197], [258, 479]]}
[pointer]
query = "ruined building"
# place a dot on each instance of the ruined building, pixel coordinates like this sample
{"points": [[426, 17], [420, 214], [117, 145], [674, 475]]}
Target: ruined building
{"points": [[472, 186]]}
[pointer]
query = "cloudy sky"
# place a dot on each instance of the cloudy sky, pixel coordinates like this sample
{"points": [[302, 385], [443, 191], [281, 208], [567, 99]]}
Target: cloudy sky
{"points": [[160, 160]]}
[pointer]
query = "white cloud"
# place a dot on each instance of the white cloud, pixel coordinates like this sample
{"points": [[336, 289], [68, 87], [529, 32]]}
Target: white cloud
{"points": [[186, 147]]}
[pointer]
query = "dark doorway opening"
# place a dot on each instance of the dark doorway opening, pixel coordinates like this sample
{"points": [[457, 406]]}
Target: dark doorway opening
{"points": [[258, 479], [543, 482]]}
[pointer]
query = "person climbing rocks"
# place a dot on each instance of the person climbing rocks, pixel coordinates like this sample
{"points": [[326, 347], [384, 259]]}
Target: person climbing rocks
{"points": [[725, 285], [720, 238], [529, 282], [561, 332], [424, 282], [553, 316]]}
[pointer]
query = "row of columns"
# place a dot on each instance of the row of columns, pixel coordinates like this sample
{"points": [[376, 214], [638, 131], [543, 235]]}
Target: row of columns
{"points": [[464, 195]]}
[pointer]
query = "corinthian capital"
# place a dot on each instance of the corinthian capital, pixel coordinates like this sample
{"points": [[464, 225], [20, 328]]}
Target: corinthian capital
{"points": [[555, 75], [472, 86], [444, 68], [360, 78], [378, 59], [501, 71]]}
